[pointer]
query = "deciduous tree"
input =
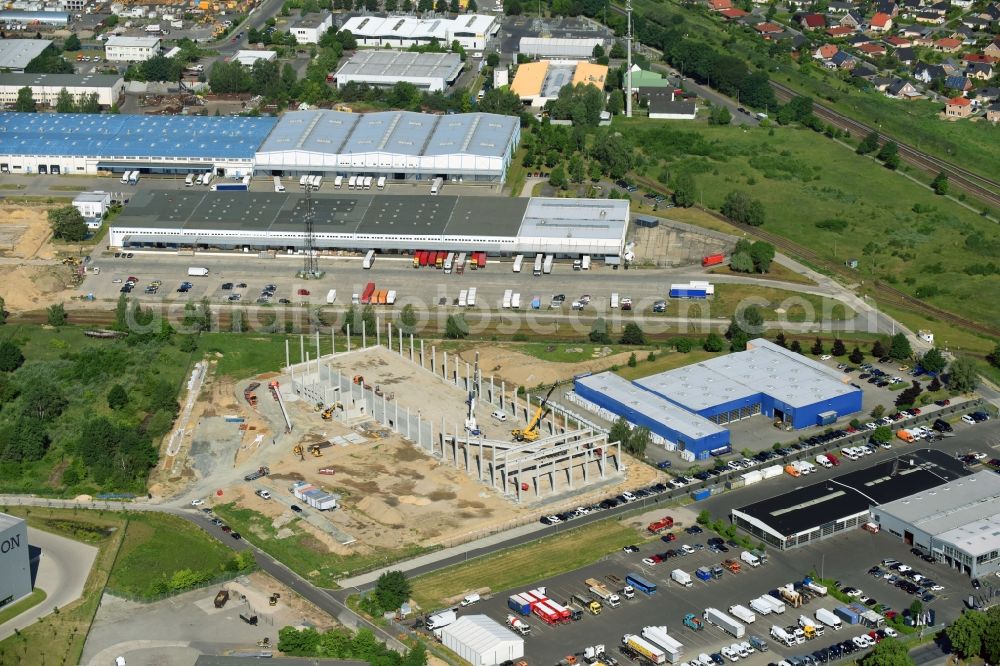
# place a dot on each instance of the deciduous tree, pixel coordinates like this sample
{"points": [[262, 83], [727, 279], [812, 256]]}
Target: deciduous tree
{"points": [[963, 376], [933, 361], [899, 348]]}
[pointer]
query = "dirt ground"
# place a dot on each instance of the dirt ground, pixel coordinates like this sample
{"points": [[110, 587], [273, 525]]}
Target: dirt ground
{"points": [[25, 234], [519, 369]]}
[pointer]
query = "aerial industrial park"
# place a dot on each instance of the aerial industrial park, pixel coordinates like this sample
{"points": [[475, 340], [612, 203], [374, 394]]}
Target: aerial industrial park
{"points": [[504, 335]]}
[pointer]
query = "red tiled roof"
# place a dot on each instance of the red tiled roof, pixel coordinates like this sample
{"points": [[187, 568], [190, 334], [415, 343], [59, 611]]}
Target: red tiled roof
{"points": [[827, 51], [898, 41], [815, 20], [768, 27], [880, 20], [839, 31], [979, 57], [732, 13], [948, 43], [959, 101], [872, 49]]}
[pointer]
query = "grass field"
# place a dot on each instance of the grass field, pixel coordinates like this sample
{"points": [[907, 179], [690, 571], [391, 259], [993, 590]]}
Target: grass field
{"points": [[247, 354], [59, 637], [777, 272], [36, 597], [820, 194], [664, 361], [158, 545], [303, 553], [522, 565]]}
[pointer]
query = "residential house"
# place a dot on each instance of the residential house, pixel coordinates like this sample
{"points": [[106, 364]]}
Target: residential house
{"points": [[962, 4], [825, 52], [851, 19], [940, 7], [839, 7], [993, 113], [902, 89], [958, 107], [732, 14], [767, 29], [976, 23], [912, 31], [887, 7], [840, 31], [881, 22], [812, 21], [910, 6], [993, 49], [966, 35], [719, 5], [896, 42], [880, 83], [978, 57], [858, 40], [798, 4], [864, 71], [980, 70], [958, 83], [906, 55], [988, 94], [926, 73], [664, 105], [992, 13], [947, 44], [872, 50], [930, 18], [844, 60]]}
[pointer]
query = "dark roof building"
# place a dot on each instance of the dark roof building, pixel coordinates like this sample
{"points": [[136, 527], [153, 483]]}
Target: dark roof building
{"points": [[843, 502]]}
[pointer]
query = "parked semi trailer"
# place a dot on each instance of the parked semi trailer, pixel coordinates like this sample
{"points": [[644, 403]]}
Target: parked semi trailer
{"points": [[672, 648], [724, 622], [829, 618], [644, 648]]}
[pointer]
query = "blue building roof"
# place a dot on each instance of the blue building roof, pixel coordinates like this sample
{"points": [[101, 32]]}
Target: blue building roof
{"points": [[127, 136]]}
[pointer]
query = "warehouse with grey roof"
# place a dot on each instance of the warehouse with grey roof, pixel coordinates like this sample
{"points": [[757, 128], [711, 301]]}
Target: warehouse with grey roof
{"points": [[15, 54], [958, 522], [385, 68], [201, 219]]}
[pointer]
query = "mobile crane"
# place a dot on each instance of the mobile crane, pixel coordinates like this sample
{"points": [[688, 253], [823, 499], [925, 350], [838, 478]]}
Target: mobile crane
{"points": [[530, 432]]}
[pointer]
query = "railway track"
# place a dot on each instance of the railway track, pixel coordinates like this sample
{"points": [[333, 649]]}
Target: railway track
{"points": [[983, 189]]}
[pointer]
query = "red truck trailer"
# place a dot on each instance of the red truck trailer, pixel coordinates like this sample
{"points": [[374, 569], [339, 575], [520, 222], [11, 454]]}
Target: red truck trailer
{"points": [[713, 260], [480, 259], [366, 295], [547, 614], [658, 526]]}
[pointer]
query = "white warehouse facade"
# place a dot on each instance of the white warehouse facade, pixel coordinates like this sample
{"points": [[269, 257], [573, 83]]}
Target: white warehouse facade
{"points": [[472, 31], [15, 561], [45, 88], [399, 145], [482, 641]]}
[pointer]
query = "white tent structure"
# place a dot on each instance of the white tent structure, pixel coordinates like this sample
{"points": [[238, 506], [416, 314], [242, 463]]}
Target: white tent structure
{"points": [[482, 641]]}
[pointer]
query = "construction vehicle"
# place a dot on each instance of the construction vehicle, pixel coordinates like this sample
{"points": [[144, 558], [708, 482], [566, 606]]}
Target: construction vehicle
{"points": [[273, 386], [261, 472], [273, 599], [249, 395], [658, 526], [221, 598], [471, 426], [297, 450], [568, 660], [530, 432], [693, 622], [518, 625], [600, 590], [732, 565], [315, 451]]}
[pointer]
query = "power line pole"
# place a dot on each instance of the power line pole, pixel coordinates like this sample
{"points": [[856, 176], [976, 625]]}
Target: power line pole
{"points": [[628, 65]]}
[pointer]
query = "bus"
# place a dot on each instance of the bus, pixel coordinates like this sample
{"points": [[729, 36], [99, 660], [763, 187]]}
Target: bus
{"points": [[640, 583], [470, 300], [352, 182], [449, 261], [538, 265], [368, 260], [518, 260]]}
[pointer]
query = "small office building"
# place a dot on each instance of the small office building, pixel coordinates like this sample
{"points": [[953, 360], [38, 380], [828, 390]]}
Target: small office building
{"points": [[93, 206], [120, 48], [309, 28], [958, 522]]}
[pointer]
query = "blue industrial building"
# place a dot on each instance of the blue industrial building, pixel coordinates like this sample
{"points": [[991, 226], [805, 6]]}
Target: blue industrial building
{"points": [[686, 430], [796, 391]]}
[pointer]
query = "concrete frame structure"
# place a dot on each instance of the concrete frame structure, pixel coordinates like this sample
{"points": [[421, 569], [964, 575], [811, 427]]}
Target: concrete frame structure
{"points": [[46, 88], [958, 523], [120, 48], [539, 465], [15, 560]]}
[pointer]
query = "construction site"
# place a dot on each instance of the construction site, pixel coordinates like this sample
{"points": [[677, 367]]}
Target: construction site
{"points": [[366, 451]]}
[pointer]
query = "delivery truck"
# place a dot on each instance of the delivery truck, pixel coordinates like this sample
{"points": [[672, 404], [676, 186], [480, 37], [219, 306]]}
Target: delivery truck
{"points": [[724, 622], [829, 618], [508, 294], [518, 260], [331, 296], [644, 648], [703, 573], [368, 260], [519, 604], [681, 577], [750, 558], [197, 271], [760, 607], [591, 605], [776, 606], [742, 613], [538, 265], [598, 589], [547, 265], [471, 300], [515, 301]]}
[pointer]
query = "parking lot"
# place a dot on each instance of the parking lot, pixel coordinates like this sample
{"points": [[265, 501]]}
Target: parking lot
{"points": [[852, 555]]}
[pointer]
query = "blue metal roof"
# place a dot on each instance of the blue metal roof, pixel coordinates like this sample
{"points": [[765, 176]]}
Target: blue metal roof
{"points": [[126, 136]]}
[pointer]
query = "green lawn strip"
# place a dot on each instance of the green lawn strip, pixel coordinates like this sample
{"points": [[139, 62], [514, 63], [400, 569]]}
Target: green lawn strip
{"points": [[156, 547], [521, 565], [568, 352], [777, 272], [823, 196], [247, 354], [664, 361], [946, 336], [304, 553], [36, 597], [59, 637]]}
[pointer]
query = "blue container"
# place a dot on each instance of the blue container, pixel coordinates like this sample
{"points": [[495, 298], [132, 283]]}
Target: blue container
{"points": [[518, 606], [699, 495]]}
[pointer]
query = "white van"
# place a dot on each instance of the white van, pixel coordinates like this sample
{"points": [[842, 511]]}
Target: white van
{"points": [[352, 182], [125, 177], [368, 182], [208, 178], [189, 181], [614, 300], [338, 181], [278, 187], [499, 416], [381, 182]]}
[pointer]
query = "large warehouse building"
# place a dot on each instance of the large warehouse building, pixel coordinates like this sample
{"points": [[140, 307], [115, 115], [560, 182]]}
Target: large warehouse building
{"points": [[265, 220], [471, 31], [15, 563], [802, 515], [535, 83], [681, 429], [46, 88], [958, 523], [765, 379], [79, 143], [382, 68], [397, 144], [482, 641], [15, 54], [555, 47]]}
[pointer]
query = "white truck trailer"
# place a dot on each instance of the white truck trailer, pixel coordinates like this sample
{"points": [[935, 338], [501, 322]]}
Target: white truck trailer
{"points": [[724, 622], [742, 613]]}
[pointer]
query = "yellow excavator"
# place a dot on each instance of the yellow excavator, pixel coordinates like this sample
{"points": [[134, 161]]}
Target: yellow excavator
{"points": [[530, 432]]}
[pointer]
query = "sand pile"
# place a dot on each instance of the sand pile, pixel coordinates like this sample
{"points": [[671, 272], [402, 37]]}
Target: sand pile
{"points": [[380, 511]]}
